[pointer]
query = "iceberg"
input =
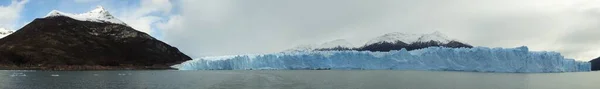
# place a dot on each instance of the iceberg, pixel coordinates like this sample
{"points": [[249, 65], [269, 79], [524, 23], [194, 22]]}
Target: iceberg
{"points": [[479, 59]]}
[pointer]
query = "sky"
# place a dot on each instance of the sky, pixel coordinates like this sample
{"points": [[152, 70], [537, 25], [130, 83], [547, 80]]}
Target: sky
{"points": [[230, 27]]}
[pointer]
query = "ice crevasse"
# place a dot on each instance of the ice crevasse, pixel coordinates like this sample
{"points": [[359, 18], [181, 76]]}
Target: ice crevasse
{"points": [[480, 59]]}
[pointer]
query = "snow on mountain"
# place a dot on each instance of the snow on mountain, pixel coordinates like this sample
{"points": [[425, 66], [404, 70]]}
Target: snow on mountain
{"points": [[481, 59], [336, 43], [395, 36], [5, 32], [330, 44], [435, 36], [411, 38], [96, 15]]}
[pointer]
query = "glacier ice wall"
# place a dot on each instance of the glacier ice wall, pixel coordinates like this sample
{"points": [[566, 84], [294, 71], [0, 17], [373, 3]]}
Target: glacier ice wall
{"points": [[481, 59]]}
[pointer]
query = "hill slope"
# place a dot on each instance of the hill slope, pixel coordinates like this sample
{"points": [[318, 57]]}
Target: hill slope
{"points": [[60, 42]]}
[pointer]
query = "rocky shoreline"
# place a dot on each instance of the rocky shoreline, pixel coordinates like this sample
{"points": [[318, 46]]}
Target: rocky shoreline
{"points": [[83, 67]]}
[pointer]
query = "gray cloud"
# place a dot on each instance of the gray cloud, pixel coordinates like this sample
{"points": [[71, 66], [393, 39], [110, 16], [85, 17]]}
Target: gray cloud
{"points": [[225, 27]]}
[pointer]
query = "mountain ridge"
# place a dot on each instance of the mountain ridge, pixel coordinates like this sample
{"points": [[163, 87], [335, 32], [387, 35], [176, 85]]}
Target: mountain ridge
{"points": [[395, 41], [65, 43], [330, 44], [99, 14], [410, 38]]}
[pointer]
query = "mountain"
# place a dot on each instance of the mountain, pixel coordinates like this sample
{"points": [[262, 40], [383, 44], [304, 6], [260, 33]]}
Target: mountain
{"points": [[4, 32], [392, 41], [394, 37], [411, 38], [388, 46], [97, 15], [397, 41], [338, 43], [595, 64], [92, 40]]}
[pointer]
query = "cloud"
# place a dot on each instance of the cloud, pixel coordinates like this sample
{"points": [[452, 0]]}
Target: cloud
{"points": [[223, 27], [11, 13], [149, 12], [217, 27]]}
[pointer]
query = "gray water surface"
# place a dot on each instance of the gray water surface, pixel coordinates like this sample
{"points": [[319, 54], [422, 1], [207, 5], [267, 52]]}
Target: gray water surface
{"points": [[293, 79]]}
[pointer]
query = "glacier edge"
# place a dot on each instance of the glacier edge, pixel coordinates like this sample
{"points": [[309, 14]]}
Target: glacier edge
{"points": [[480, 59]]}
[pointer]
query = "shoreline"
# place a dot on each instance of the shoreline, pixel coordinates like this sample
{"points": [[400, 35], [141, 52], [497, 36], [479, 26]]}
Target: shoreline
{"points": [[84, 68]]}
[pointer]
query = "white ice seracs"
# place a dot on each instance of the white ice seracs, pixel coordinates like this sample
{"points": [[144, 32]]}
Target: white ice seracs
{"points": [[97, 15], [481, 59], [411, 38]]}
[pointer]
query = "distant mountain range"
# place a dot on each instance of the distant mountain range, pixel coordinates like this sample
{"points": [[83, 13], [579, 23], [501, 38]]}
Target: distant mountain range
{"points": [[387, 42], [338, 43], [92, 40]]}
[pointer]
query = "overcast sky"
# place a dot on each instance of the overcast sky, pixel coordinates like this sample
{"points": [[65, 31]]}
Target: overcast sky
{"points": [[229, 27]]}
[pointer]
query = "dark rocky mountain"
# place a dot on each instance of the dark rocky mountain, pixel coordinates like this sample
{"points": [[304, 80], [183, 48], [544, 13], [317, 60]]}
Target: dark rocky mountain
{"points": [[383, 46], [392, 41], [595, 64], [64, 43], [386, 46]]}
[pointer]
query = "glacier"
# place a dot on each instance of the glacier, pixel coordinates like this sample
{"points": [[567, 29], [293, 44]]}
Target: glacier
{"points": [[478, 59]]}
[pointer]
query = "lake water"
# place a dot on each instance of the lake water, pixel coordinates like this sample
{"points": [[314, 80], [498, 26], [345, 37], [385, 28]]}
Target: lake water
{"points": [[293, 79]]}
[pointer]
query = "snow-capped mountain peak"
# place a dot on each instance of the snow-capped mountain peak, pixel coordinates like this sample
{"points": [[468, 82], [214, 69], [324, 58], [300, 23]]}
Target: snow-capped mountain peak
{"points": [[5, 32], [411, 38], [96, 15], [435, 36], [395, 36], [99, 9], [336, 43], [329, 44]]}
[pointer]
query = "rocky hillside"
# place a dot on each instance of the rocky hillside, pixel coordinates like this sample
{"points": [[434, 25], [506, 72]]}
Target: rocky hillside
{"points": [[62, 41]]}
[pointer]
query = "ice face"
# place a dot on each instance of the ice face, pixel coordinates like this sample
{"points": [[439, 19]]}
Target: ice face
{"points": [[481, 59]]}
